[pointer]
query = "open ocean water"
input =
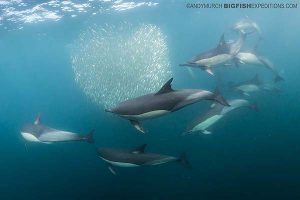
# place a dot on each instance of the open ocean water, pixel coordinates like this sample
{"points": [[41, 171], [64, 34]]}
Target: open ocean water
{"points": [[70, 60]]}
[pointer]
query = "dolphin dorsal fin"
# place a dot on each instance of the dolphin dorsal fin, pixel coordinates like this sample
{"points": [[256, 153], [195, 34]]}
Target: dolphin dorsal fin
{"points": [[166, 88], [37, 120], [222, 40], [139, 149]]}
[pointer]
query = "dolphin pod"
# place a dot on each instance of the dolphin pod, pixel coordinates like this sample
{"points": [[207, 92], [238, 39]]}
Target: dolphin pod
{"points": [[228, 53], [167, 100]]}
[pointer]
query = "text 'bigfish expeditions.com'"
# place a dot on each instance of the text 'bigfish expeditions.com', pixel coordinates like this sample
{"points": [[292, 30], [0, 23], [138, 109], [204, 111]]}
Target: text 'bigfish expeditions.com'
{"points": [[243, 5]]}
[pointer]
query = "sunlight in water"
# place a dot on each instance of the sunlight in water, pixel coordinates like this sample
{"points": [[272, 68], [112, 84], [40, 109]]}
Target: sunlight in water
{"points": [[115, 63]]}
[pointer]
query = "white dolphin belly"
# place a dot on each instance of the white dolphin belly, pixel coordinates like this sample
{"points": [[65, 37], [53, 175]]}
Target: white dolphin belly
{"points": [[249, 58], [248, 88], [120, 164], [207, 123], [29, 137], [147, 115], [218, 59]]}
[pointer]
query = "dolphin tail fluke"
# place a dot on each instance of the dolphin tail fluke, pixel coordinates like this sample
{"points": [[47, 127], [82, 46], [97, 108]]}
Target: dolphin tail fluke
{"points": [[90, 137], [184, 161], [137, 125], [219, 98], [278, 78]]}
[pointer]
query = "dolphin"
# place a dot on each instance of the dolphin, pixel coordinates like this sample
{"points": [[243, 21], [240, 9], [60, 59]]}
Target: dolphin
{"points": [[223, 53], [249, 86], [38, 132], [247, 26], [165, 101], [214, 114], [251, 58], [137, 157], [271, 87]]}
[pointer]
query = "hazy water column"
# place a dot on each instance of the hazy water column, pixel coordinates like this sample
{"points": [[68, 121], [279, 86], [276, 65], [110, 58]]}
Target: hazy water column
{"points": [[114, 63]]}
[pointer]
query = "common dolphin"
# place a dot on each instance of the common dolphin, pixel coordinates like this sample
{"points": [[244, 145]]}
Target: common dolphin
{"points": [[251, 58], [247, 26], [214, 114], [271, 87], [137, 157], [223, 53], [247, 87], [166, 100], [37, 132]]}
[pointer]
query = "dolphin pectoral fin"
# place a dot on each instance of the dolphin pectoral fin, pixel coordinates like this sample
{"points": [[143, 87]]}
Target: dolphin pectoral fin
{"points": [[246, 94], [110, 168], [206, 132], [137, 125], [208, 70]]}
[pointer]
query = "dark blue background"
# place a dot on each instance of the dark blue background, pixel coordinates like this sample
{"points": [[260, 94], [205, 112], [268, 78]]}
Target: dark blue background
{"points": [[249, 156]]}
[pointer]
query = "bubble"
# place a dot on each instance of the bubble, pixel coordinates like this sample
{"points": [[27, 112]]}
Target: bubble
{"points": [[114, 63]]}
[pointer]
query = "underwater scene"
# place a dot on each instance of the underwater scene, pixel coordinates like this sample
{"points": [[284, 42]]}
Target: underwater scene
{"points": [[154, 100]]}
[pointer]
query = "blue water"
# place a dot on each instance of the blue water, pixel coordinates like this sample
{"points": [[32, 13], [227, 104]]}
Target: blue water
{"points": [[250, 155]]}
